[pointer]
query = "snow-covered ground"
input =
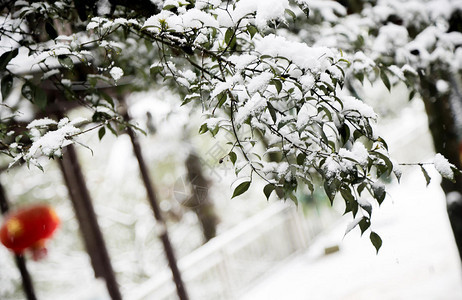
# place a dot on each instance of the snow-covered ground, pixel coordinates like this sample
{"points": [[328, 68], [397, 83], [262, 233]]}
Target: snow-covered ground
{"points": [[418, 259]]}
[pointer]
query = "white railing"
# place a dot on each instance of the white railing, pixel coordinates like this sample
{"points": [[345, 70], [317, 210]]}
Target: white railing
{"points": [[227, 265]]}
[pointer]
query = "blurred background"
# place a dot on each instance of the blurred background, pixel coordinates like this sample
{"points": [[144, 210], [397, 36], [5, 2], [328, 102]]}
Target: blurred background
{"points": [[250, 247]]}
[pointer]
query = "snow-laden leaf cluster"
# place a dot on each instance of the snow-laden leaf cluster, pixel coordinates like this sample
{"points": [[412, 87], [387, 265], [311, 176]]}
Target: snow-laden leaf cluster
{"points": [[286, 101]]}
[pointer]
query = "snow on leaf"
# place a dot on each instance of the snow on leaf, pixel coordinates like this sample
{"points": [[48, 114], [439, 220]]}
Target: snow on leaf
{"points": [[259, 82], [53, 141], [351, 104], [44, 122], [353, 224], [443, 166]]}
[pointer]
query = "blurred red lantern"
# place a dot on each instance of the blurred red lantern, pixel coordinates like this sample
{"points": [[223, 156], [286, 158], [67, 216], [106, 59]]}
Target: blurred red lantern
{"points": [[29, 228]]}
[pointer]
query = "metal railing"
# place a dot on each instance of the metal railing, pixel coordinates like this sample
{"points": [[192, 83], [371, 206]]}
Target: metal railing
{"points": [[227, 265]]}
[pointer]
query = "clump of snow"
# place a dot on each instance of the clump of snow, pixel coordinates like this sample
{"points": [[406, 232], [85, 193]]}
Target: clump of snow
{"points": [[329, 10], [331, 167], [103, 7], [408, 68], [454, 198], [52, 141], [305, 115], [255, 105], [353, 224], [443, 166], [259, 82], [220, 87], [378, 187], [315, 59], [116, 73], [243, 60], [45, 122], [189, 75], [358, 153], [351, 104], [307, 81], [442, 86], [362, 62], [193, 18], [66, 82], [265, 11], [390, 36], [397, 71]]}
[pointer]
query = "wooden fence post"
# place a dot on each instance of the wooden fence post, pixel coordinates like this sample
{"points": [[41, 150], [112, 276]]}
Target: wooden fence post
{"points": [[152, 198], [91, 232]]}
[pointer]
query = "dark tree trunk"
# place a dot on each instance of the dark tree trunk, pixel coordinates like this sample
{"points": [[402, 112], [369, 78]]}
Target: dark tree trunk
{"points": [[443, 130], [199, 201], [91, 233]]}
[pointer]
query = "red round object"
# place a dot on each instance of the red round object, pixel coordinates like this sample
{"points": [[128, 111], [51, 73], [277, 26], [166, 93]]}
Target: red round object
{"points": [[28, 227]]}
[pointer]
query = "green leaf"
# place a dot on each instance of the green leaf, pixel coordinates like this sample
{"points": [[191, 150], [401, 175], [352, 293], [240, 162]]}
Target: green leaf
{"points": [[6, 57], [241, 188], [386, 159], [268, 189], [412, 94], [346, 194], [357, 134], [34, 94], [169, 7], [277, 84], [301, 159], [344, 131], [228, 36], [351, 205], [366, 206], [203, 129], [7, 84], [427, 177], [66, 61], [252, 30], [364, 224], [272, 111], [376, 240], [291, 13], [222, 98], [51, 30], [398, 174], [385, 79], [360, 77], [40, 98], [330, 188], [27, 91], [107, 98], [189, 98], [378, 191], [101, 133], [380, 139], [232, 157], [154, 71]]}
